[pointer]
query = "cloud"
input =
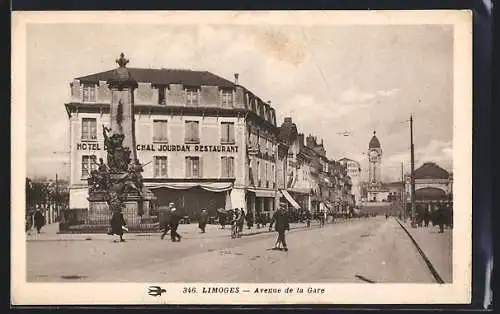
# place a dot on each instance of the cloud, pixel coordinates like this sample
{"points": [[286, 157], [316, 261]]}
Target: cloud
{"points": [[387, 93], [440, 152], [355, 95]]}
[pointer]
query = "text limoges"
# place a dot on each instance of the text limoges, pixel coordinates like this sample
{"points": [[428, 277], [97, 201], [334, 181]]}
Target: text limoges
{"points": [[168, 148]]}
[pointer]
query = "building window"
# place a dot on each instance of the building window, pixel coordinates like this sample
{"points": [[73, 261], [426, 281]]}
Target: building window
{"points": [[89, 129], [192, 97], [193, 167], [192, 132], [162, 95], [226, 98], [273, 174], [258, 173], [89, 163], [160, 166], [160, 131], [227, 133], [267, 177], [88, 93], [227, 167]]}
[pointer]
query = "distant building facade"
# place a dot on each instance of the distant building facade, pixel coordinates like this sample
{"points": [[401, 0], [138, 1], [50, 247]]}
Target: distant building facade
{"points": [[432, 184], [354, 171]]}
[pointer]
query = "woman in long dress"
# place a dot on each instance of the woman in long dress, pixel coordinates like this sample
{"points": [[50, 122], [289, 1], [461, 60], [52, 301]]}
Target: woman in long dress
{"points": [[118, 224]]}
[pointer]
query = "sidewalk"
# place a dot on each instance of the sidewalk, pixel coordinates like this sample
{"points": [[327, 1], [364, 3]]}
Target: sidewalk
{"points": [[437, 247], [50, 232]]}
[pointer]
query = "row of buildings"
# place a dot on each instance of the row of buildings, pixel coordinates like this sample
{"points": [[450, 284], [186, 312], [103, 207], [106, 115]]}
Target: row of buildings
{"points": [[205, 142]]}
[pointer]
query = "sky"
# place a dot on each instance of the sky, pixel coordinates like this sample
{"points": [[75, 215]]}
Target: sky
{"points": [[329, 79]]}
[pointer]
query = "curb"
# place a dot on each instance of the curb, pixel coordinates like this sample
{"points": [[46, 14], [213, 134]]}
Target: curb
{"points": [[89, 236], [431, 267]]}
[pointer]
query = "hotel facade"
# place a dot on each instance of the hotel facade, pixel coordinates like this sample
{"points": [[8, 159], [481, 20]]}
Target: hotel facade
{"points": [[203, 141]]}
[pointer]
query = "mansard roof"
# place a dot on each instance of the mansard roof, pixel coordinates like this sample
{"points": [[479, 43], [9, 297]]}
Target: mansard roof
{"points": [[164, 77]]}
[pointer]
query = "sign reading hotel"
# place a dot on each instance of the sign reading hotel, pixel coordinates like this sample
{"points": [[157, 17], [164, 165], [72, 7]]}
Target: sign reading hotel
{"points": [[167, 148]]}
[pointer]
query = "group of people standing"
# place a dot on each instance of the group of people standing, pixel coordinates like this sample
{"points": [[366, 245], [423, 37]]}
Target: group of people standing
{"points": [[440, 214], [35, 218]]}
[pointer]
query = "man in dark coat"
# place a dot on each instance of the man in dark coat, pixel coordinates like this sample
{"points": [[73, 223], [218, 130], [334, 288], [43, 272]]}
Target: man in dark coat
{"points": [[164, 218], [249, 219], [281, 224], [39, 220], [175, 217], [202, 222]]}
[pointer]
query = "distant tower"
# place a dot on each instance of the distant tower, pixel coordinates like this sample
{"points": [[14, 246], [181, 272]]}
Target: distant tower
{"points": [[374, 159]]}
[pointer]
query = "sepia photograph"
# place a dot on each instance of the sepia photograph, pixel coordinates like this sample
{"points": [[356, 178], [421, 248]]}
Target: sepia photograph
{"points": [[234, 157]]}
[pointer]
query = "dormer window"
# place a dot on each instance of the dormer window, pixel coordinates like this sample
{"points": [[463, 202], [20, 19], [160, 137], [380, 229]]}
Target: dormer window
{"points": [[89, 92], [192, 96], [226, 97]]}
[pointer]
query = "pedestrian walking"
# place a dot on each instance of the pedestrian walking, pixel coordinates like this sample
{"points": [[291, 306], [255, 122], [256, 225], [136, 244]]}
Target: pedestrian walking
{"points": [[39, 220], [118, 225], [241, 221], [249, 219], [234, 218], [440, 217], [223, 219], [202, 222], [308, 219], [164, 218], [175, 217], [281, 223]]}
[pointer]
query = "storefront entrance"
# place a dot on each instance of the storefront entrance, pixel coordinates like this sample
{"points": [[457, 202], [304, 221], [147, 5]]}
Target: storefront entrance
{"points": [[191, 201]]}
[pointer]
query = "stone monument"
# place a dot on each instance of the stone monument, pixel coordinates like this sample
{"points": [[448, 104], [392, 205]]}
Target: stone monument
{"points": [[118, 186]]}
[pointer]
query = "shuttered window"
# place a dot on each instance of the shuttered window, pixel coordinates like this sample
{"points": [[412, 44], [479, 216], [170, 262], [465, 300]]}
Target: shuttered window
{"points": [[89, 163], [192, 132], [159, 131], [227, 133], [89, 129], [193, 167], [227, 165], [160, 166]]}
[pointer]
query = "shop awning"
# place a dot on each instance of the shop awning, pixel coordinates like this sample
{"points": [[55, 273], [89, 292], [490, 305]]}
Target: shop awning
{"points": [[290, 199], [263, 193], [212, 187]]}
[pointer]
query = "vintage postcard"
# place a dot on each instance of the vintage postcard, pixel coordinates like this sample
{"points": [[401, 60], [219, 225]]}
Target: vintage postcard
{"points": [[241, 157]]}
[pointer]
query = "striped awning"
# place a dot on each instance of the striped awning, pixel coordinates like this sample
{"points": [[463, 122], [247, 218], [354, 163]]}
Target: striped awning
{"points": [[290, 199]]}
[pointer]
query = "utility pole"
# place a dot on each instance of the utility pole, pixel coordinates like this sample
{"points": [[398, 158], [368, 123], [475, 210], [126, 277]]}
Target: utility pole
{"points": [[412, 175], [402, 198]]}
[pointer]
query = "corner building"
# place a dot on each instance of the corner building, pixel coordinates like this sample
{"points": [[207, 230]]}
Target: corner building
{"points": [[204, 141]]}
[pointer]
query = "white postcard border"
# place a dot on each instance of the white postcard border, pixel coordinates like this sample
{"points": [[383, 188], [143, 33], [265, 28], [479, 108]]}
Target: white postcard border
{"points": [[23, 293]]}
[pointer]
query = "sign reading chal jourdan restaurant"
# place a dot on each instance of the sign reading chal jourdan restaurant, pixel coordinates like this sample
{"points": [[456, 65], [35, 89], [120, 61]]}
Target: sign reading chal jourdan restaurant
{"points": [[167, 148]]}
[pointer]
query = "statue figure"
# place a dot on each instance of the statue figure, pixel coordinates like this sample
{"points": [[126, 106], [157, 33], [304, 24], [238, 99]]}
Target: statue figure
{"points": [[103, 176], [93, 182]]}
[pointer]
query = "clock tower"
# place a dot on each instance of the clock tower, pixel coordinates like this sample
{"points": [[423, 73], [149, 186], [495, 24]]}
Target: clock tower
{"points": [[374, 159]]}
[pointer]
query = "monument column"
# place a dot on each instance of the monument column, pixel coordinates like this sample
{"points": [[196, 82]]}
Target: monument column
{"points": [[122, 86]]}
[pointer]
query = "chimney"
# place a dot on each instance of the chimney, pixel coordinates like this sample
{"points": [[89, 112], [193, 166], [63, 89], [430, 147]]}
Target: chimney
{"points": [[288, 120], [236, 76]]}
